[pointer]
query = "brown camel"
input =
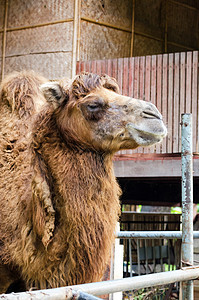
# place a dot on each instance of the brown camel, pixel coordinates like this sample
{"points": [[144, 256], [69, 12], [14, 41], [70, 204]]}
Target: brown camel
{"points": [[59, 199]]}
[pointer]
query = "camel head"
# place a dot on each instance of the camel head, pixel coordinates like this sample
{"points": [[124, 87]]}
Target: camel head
{"points": [[91, 112]]}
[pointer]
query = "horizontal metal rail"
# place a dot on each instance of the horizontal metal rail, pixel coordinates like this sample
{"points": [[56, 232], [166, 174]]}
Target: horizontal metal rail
{"points": [[51, 294], [107, 287], [153, 234]]}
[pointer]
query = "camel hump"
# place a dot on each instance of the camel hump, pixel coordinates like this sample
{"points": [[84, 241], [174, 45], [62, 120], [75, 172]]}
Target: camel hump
{"points": [[20, 91]]}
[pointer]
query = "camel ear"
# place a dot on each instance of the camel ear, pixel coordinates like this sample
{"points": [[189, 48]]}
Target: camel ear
{"points": [[53, 93]]}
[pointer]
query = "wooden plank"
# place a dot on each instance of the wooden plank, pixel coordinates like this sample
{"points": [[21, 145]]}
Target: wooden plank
{"points": [[114, 68], [141, 78], [119, 73], [153, 80], [195, 101], [131, 77], [82, 66], [176, 117], [182, 90], [98, 67], [153, 89], [164, 97], [136, 88], [147, 86], [109, 67], [125, 76], [136, 77], [170, 104], [88, 66], [148, 79], [188, 82], [93, 66], [120, 63], [103, 67], [141, 86], [78, 67], [159, 93]]}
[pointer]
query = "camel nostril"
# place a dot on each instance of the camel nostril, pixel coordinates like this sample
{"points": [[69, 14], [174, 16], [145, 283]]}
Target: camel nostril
{"points": [[151, 114]]}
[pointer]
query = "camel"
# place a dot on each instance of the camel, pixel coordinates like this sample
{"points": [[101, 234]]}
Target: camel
{"points": [[59, 199]]}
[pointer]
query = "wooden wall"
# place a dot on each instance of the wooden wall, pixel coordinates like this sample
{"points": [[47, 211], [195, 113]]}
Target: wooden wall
{"points": [[40, 34], [37, 35], [170, 81]]}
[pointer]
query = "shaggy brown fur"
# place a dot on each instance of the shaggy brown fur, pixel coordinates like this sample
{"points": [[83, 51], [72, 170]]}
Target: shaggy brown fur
{"points": [[59, 200], [58, 191]]}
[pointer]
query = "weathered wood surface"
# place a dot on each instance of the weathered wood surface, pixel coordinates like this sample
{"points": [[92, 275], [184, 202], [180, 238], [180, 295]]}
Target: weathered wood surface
{"points": [[170, 81]]}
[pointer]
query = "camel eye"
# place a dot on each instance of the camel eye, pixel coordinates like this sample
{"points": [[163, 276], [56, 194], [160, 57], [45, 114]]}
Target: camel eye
{"points": [[93, 107]]}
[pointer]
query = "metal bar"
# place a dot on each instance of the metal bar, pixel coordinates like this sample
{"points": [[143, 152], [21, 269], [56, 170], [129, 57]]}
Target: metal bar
{"points": [[51, 294], [154, 262], [130, 258], [161, 259], [146, 255], [153, 235], [111, 286], [138, 257], [187, 201]]}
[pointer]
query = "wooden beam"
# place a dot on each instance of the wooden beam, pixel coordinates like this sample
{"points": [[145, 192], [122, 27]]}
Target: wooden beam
{"points": [[4, 40], [38, 25], [152, 168], [106, 24], [75, 33], [132, 29]]}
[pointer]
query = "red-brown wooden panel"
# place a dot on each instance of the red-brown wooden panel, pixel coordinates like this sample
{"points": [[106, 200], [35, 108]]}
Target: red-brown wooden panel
{"points": [[103, 67], [136, 77], [188, 82], [93, 66], [176, 119], [195, 101], [164, 97], [170, 104], [120, 73], [131, 76], [159, 93], [78, 67], [109, 67], [114, 70], [182, 91], [125, 77]]}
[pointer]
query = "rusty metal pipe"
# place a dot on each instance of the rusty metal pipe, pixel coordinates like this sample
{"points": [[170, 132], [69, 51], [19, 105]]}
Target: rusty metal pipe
{"points": [[187, 201], [153, 235], [107, 287]]}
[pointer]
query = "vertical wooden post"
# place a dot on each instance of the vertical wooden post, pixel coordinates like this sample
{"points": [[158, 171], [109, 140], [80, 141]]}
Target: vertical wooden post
{"points": [[133, 29], [79, 31], [75, 30], [4, 40], [166, 27]]}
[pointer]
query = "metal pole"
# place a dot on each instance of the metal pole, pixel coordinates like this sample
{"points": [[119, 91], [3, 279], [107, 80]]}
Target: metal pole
{"points": [[187, 201], [107, 287], [153, 235]]}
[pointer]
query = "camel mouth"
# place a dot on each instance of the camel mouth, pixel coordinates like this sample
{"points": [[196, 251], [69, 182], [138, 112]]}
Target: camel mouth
{"points": [[151, 114], [148, 135]]}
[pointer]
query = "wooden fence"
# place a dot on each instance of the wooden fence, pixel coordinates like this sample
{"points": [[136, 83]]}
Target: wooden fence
{"points": [[170, 81]]}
